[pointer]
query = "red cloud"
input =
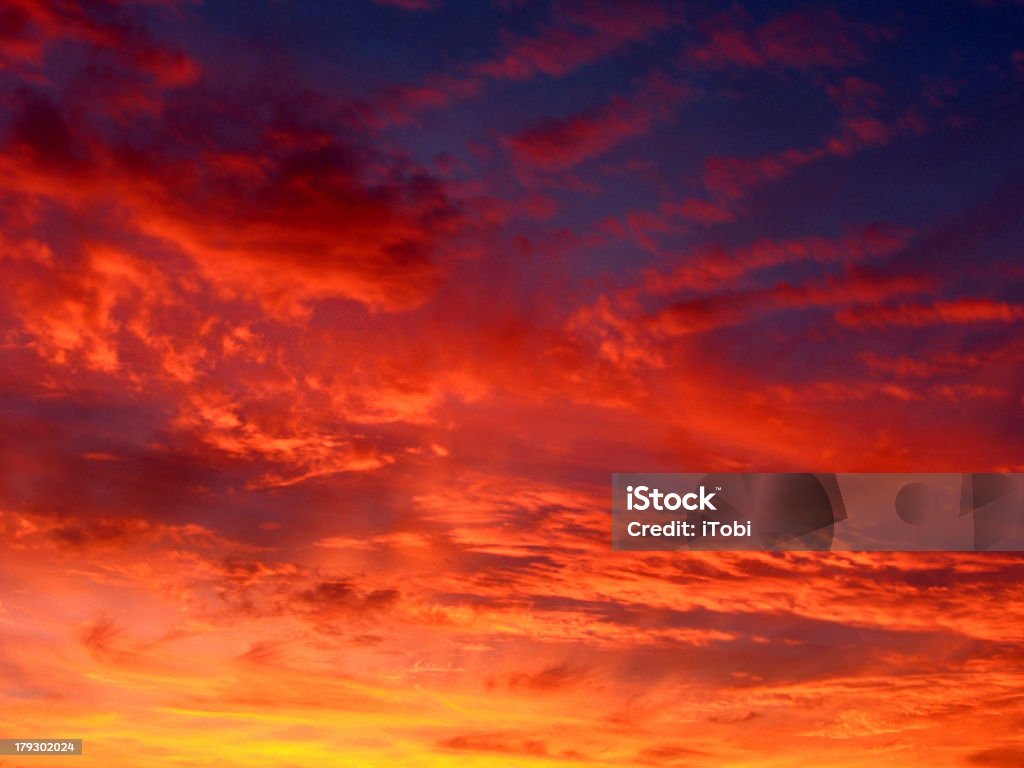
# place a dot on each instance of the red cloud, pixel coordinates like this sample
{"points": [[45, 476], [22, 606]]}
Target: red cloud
{"points": [[410, 5], [579, 33], [29, 29], [731, 177], [712, 267], [859, 127], [401, 103], [265, 219], [311, 225], [699, 211], [566, 142], [857, 286], [800, 40], [696, 315], [952, 312], [582, 32]]}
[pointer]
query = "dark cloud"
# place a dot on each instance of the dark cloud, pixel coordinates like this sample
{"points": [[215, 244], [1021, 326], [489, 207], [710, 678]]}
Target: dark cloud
{"points": [[341, 597], [998, 757], [502, 743]]}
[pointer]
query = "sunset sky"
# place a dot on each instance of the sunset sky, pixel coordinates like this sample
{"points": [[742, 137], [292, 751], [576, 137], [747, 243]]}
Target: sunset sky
{"points": [[325, 325]]}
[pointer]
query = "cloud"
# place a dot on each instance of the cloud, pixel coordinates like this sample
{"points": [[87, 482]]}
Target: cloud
{"points": [[731, 177], [557, 144], [550, 678], [862, 124], [282, 216], [102, 638], [704, 212], [954, 312], [410, 5], [502, 743], [112, 34], [800, 40], [581, 32], [289, 447], [38, 128], [578, 33], [340, 597], [307, 225], [997, 757], [711, 267]]}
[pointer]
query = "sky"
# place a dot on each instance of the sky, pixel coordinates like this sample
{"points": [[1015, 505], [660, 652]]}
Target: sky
{"points": [[325, 324]]}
